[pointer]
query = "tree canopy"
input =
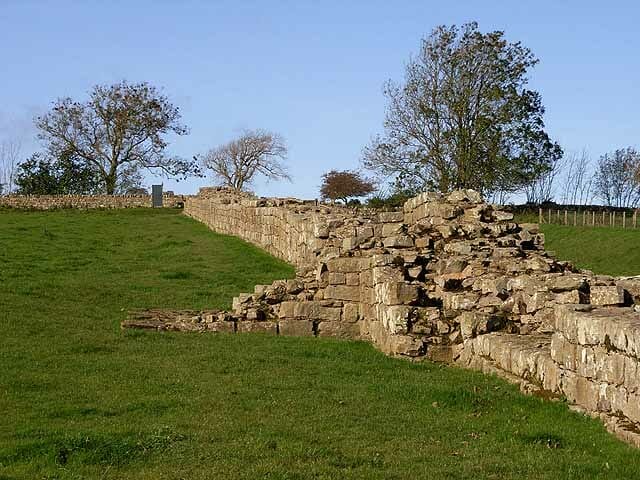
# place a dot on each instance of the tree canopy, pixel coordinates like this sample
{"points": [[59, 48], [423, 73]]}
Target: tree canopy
{"points": [[40, 175], [464, 117], [120, 129], [342, 185]]}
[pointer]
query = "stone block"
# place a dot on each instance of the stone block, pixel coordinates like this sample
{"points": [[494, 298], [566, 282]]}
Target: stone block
{"points": [[350, 312], [295, 327], [606, 295], [390, 217], [473, 324], [311, 310], [470, 196], [398, 241], [347, 264], [352, 279], [221, 327], [389, 229], [396, 293], [342, 292], [631, 286], [395, 318], [460, 301], [565, 282], [339, 330], [256, 327]]}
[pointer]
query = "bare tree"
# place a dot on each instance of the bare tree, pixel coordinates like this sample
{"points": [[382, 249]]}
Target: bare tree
{"points": [[541, 190], [10, 151], [577, 179], [120, 127], [616, 179], [254, 153]]}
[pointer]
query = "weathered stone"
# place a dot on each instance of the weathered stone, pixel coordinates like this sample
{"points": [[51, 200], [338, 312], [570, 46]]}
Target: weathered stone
{"points": [[460, 301], [396, 293], [390, 217], [335, 278], [312, 310], [398, 241], [342, 292], [474, 323], [259, 327], [389, 229], [470, 196], [296, 327], [611, 295]]}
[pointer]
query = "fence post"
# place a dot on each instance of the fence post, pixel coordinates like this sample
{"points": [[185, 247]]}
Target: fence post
{"points": [[584, 218], [624, 219], [559, 217], [540, 216], [565, 218], [593, 223], [549, 216], [634, 218], [575, 218], [603, 215]]}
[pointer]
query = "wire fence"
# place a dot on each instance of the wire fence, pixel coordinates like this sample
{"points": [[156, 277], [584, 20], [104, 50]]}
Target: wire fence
{"points": [[588, 218]]}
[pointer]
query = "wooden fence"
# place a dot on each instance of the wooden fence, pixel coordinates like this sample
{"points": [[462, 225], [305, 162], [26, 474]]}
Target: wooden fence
{"points": [[588, 218]]}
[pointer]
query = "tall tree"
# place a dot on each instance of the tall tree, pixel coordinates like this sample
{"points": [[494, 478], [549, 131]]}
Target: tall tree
{"points": [[342, 185], [616, 179], [254, 153], [120, 127], [463, 118]]}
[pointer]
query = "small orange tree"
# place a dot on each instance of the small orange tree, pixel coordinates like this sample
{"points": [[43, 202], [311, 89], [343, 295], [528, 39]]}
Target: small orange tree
{"points": [[342, 185]]}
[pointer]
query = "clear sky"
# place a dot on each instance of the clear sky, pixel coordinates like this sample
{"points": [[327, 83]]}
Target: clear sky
{"points": [[310, 70]]}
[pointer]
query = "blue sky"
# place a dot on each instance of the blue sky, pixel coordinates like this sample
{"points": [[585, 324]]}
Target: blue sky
{"points": [[310, 70]]}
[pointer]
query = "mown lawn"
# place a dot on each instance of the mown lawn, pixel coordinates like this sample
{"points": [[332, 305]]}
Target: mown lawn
{"points": [[604, 250], [80, 399]]}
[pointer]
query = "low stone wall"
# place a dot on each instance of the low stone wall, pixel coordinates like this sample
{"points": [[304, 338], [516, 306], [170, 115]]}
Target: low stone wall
{"points": [[297, 231], [451, 279], [50, 202]]}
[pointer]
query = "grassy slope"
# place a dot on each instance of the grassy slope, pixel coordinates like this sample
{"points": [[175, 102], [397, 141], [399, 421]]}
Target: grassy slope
{"points": [[81, 399], [610, 251]]}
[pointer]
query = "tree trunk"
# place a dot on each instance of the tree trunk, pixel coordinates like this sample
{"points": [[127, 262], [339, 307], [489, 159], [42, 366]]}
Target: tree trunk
{"points": [[110, 183]]}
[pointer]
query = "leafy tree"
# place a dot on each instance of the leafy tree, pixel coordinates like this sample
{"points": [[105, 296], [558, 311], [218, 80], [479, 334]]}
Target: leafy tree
{"points": [[616, 178], [342, 185], [254, 153], [40, 175], [463, 118], [121, 128]]}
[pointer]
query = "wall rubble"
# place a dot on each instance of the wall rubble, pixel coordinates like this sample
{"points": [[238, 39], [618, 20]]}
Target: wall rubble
{"points": [[451, 279]]}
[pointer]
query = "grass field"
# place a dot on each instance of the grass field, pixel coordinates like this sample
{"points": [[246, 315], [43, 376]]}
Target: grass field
{"points": [[80, 399], [604, 250]]}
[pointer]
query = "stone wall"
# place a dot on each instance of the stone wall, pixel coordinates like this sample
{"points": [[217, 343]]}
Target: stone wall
{"points": [[451, 279], [49, 202]]}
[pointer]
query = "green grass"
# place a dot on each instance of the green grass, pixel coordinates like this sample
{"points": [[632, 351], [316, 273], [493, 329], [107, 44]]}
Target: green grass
{"points": [[80, 399], [604, 250]]}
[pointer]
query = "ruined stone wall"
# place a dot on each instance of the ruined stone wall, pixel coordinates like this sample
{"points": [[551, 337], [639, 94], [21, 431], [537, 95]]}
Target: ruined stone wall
{"points": [[49, 202], [447, 278], [297, 231]]}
